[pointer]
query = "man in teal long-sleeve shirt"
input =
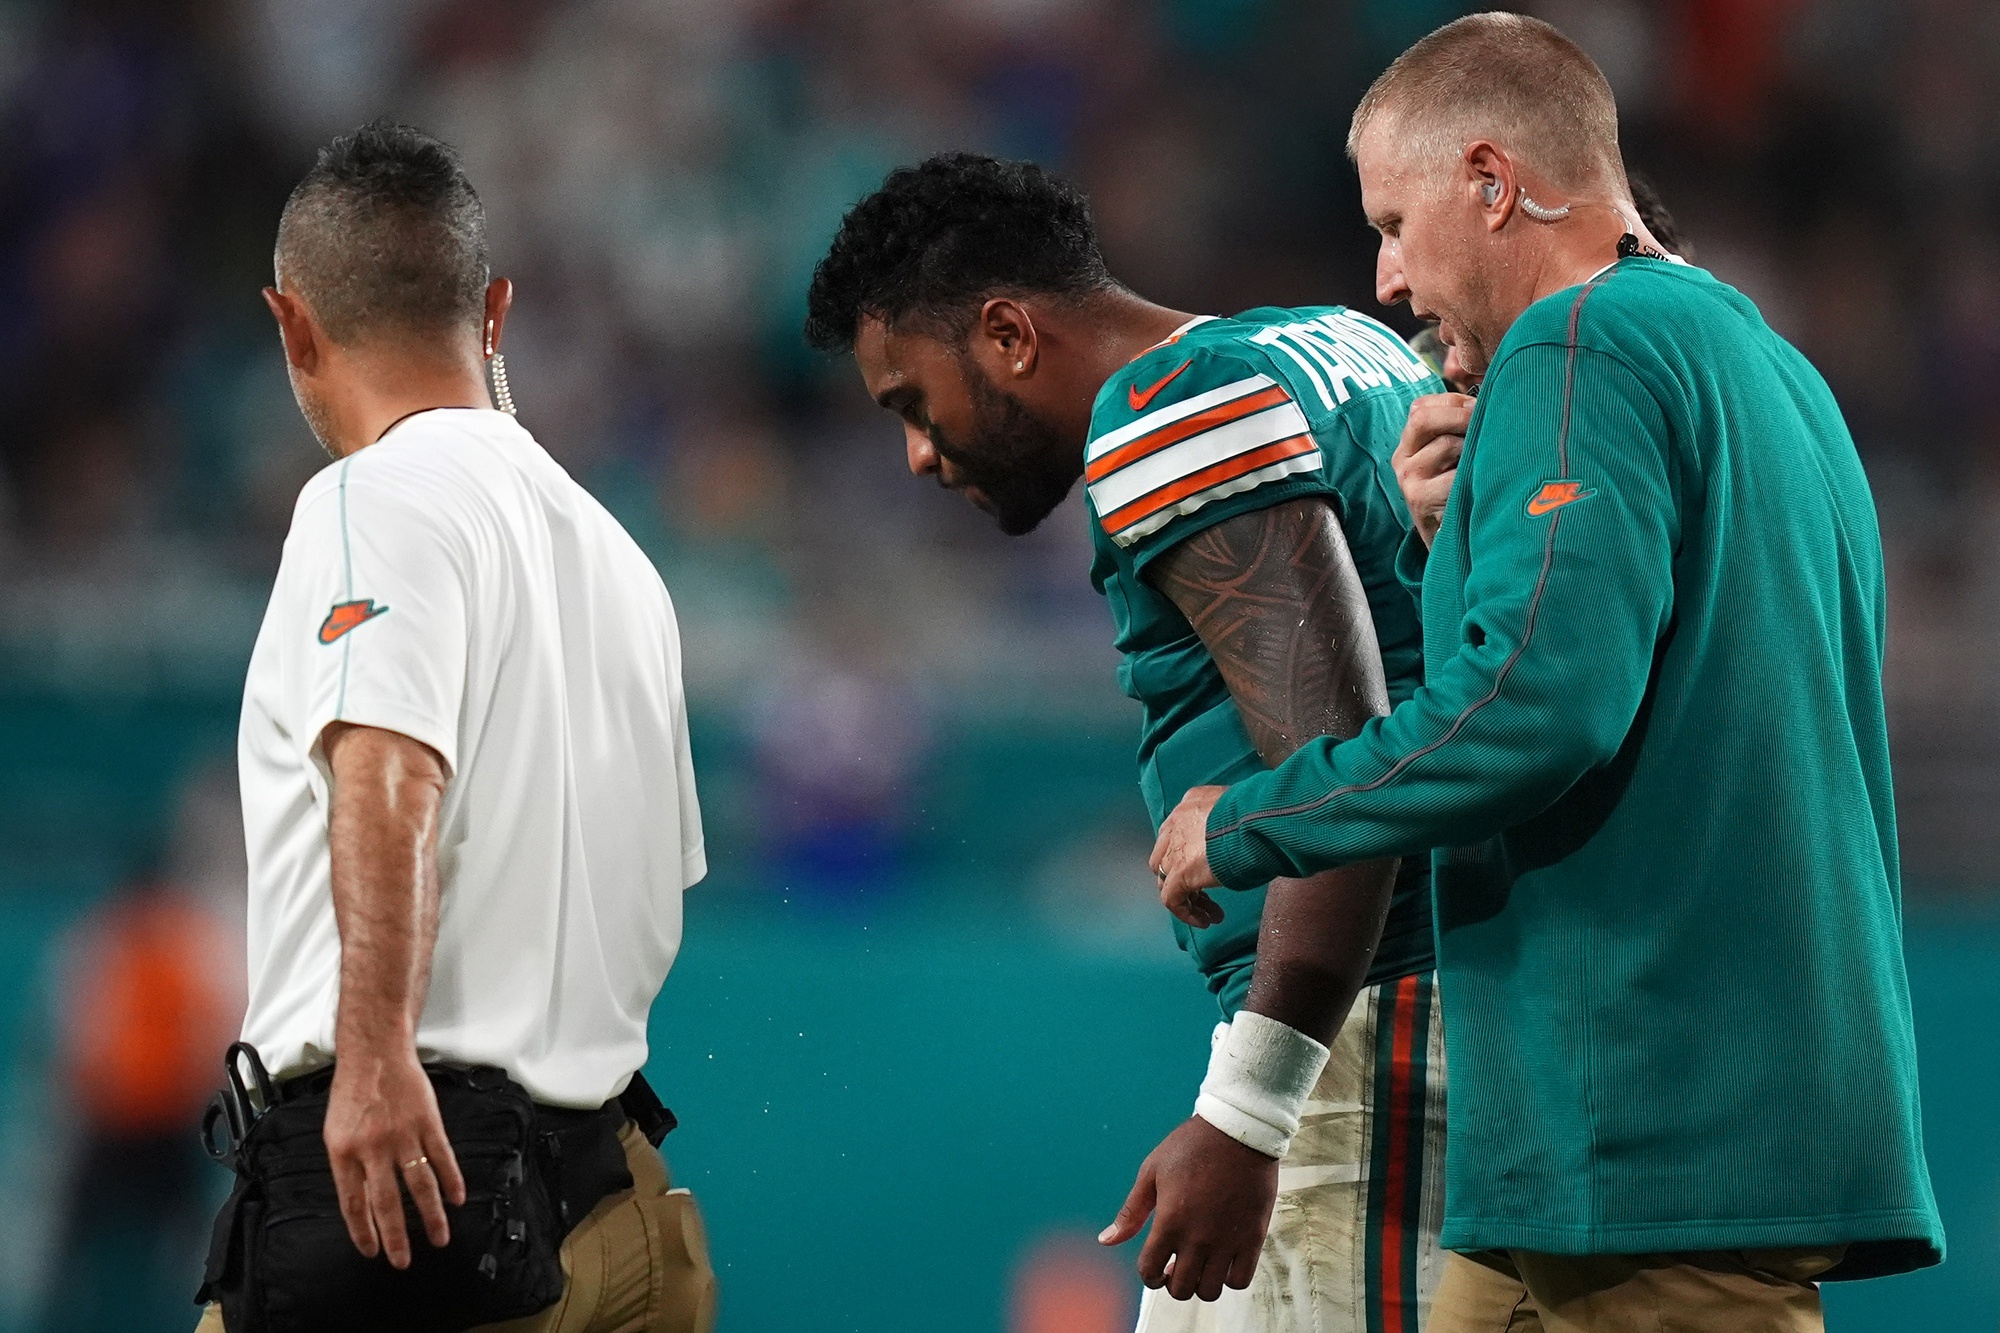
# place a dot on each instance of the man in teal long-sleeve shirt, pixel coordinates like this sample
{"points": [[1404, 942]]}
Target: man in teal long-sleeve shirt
{"points": [[1650, 747]]}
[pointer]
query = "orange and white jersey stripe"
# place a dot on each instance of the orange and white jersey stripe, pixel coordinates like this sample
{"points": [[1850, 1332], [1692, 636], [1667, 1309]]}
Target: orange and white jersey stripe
{"points": [[1176, 459]]}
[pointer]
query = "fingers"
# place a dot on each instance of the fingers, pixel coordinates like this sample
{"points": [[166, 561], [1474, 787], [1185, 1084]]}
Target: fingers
{"points": [[1438, 457], [445, 1163], [370, 1189], [384, 1135], [1245, 1266], [1211, 1209], [1215, 1275], [423, 1186], [1438, 420], [435, 1180], [1433, 415], [1185, 826], [1428, 498], [1426, 478], [1132, 1215], [385, 1205], [1156, 1256], [1182, 869], [1197, 1274], [1194, 1270], [1189, 877], [429, 1169], [350, 1183], [1180, 859], [1197, 909], [1435, 462], [1167, 845]]}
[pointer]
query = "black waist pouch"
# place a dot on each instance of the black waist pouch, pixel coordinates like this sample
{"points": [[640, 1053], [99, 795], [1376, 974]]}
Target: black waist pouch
{"points": [[281, 1260]]}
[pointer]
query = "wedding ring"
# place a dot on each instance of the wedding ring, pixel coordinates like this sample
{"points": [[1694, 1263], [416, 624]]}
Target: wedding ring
{"points": [[416, 1161]]}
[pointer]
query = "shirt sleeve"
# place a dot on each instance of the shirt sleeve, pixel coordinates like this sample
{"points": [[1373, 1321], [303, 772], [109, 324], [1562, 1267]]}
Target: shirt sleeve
{"points": [[694, 850], [1183, 440], [383, 592], [1569, 534]]}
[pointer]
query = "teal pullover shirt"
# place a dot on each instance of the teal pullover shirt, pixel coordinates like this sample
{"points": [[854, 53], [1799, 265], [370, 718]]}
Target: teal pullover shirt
{"points": [[1651, 750]]}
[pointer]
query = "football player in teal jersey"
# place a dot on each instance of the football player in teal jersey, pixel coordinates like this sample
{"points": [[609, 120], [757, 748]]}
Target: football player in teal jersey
{"points": [[1246, 522]]}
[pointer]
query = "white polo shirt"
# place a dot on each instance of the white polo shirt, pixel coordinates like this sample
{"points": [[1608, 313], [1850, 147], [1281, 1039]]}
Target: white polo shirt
{"points": [[452, 583]]}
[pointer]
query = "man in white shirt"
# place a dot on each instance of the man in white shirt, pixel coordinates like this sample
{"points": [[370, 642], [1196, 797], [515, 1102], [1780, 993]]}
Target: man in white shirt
{"points": [[467, 792]]}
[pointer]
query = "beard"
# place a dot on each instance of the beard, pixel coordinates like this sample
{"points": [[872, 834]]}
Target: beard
{"points": [[1022, 465]]}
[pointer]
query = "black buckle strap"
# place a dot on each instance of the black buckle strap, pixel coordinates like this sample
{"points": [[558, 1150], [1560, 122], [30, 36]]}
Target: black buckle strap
{"points": [[646, 1110]]}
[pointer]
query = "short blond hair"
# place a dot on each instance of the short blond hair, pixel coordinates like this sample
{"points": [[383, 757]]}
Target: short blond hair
{"points": [[1509, 78]]}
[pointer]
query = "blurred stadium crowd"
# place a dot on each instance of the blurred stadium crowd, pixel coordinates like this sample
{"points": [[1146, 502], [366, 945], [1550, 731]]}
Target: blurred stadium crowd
{"points": [[661, 175]]}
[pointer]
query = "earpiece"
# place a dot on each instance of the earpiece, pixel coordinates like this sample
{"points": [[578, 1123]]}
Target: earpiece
{"points": [[1542, 212], [496, 372], [1491, 192]]}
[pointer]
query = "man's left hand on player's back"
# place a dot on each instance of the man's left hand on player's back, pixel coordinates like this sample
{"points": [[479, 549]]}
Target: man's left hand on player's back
{"points": [[1214, 1198], [1180, 859]]}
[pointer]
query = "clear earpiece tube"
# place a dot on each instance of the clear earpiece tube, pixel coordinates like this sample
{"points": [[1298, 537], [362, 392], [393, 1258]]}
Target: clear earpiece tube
{"points": [[496, 371]]}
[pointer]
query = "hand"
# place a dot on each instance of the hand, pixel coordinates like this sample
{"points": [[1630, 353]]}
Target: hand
{"points": [[381, 1116], [1426, 459], [1214, 1197], [1180, 859]]}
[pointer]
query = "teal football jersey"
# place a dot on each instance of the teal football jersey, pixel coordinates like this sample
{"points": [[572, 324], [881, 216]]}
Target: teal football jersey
{"points": [[1227, 417]]}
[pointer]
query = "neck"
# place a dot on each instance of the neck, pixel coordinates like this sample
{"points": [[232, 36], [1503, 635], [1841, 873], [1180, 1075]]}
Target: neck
{"points": [[1556, 255], [384, 385], [1582, 243], [1116, 327]]}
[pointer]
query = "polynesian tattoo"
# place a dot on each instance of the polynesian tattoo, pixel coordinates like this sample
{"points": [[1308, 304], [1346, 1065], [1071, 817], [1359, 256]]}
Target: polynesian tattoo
{"points": [[1276, 599]]}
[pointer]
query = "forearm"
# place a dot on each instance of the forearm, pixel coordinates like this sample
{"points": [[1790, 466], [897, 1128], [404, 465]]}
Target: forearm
{"points": [[1315, 944], [382, 832]]}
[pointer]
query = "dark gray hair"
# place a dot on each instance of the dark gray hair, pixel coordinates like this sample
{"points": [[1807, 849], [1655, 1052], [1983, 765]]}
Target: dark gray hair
{"points": [[385, 233]]}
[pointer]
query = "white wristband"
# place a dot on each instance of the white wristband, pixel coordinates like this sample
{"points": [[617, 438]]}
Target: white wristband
{"points": [[1260, 1073]]}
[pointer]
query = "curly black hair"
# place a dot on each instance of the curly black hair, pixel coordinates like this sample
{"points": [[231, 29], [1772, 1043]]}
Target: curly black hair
{"points": [[1653, 212], [386, 230], [939, 236]]}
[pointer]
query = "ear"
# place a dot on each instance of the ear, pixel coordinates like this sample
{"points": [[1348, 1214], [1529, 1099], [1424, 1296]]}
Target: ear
{"points": [[1007, 333], [1488, 178], [296, 328], [499, 300]]}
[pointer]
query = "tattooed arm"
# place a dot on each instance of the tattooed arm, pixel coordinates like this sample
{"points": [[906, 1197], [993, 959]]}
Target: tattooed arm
{"points": [[1276, 599]]}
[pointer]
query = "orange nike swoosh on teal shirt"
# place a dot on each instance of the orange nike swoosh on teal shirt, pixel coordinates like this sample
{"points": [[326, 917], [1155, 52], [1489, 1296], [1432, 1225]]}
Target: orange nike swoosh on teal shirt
{"points": [[1140, 397], [1556, 494]]}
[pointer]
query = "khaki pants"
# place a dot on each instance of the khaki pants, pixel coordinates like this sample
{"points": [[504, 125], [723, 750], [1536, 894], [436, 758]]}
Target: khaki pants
{"points": [[1716, 1291], [637, 1264]]}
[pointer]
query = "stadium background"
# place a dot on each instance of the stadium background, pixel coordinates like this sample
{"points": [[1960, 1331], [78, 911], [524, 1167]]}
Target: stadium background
{"points": [[927, 1019]]}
